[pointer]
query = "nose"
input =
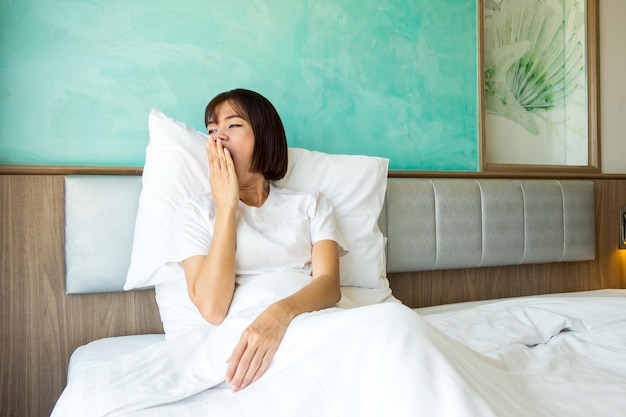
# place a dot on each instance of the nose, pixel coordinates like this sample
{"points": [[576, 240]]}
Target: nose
{"points": [[217, 134]]}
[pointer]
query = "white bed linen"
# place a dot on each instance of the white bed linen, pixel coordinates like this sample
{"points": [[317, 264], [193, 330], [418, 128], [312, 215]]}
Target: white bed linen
{"points": [[112, 347], [407, 369]]}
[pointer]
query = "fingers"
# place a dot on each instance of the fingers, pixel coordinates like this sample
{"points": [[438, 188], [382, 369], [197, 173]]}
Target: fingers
{"points": [[248, 363], [228, 158], [213, 152], [242, 366], [265, 364], [233, 361], [222, 175], [220, 159], [246, 369], [250, 368]]}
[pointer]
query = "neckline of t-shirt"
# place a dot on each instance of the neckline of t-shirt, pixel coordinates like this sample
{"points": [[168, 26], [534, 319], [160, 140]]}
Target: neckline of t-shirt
{"points": [[265, 203]]}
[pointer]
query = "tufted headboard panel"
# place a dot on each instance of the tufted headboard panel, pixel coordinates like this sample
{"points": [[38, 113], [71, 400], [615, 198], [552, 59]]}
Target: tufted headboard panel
{"points": [[463, 223], [430, 224], [100, 212]]}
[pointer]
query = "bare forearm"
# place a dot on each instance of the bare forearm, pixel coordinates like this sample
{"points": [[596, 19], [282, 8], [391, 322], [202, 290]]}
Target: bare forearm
{"points": [[212, 286], [323, 292]]}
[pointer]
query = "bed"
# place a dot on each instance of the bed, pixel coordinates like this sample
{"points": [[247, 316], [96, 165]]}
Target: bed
{"points": [[558, 354]]}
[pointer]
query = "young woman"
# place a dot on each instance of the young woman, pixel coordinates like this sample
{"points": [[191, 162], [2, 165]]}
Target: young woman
{"points": [[245, 227]]}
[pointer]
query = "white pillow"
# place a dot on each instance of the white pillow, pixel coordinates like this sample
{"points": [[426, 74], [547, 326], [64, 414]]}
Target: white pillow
{"points": [[176, 168], [355, 186]]}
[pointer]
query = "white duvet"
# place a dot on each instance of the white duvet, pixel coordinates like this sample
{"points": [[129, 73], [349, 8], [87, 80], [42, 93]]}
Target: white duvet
{"points": [[527, 357]]}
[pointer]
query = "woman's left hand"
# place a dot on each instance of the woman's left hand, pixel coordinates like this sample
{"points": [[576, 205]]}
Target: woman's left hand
{"points": [[256, 348]]}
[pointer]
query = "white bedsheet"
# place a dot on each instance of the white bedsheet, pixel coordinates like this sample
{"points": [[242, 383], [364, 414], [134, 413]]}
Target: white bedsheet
{"points": [[508, 358], [570, 350]]}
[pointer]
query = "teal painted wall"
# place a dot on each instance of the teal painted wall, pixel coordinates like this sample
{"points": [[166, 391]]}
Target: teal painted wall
{"points": [[396, 79]]}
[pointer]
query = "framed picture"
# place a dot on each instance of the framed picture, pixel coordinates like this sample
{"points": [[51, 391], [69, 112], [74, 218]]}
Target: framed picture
{"points": [[540, 77]]}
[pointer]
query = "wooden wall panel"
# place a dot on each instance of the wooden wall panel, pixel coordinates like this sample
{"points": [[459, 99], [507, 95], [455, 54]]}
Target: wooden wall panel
{"points": [[41, 326]]}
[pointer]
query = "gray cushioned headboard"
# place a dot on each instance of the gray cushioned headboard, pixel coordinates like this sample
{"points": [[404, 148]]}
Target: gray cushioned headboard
{"points": [[100, 214], [462, 223], [430, 224]]}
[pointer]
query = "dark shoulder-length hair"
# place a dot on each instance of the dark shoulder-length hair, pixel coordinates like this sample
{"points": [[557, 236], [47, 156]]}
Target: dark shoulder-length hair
{"points": [[269, 156]]}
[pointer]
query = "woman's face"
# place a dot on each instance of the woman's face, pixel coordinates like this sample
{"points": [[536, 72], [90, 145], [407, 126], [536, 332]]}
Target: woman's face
{"points": [[235, 133]]}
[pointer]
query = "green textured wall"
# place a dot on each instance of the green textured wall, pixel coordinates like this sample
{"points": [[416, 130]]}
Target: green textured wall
{"points": [[396, 79]]}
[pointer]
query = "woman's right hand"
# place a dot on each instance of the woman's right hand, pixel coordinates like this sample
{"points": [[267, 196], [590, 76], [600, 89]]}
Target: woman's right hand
{"points": [[223, 178]]}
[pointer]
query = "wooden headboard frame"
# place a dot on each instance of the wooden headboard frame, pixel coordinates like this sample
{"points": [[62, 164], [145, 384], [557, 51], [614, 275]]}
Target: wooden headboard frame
{"points": [[41, 326]]}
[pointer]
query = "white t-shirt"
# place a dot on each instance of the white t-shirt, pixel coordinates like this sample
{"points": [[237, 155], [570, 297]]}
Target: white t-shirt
{"points": [[278, 236]]}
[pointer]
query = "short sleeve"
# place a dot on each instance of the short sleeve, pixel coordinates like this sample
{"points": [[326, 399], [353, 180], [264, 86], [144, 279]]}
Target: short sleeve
{"points": [[324, 224], [193, 229]]}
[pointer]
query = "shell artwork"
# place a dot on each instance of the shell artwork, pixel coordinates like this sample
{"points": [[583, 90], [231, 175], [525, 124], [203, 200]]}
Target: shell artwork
{"points": [[534, 57]]}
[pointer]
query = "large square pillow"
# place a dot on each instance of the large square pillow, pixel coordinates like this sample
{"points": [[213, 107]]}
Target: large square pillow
{"points": [[355, 186]]}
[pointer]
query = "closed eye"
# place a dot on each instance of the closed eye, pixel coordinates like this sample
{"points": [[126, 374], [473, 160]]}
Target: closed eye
{"points": [[230, 126]]}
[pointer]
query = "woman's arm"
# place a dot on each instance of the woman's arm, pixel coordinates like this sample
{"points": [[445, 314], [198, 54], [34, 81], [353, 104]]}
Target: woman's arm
{"points": [[211, 278], [324, 290], [259, 342]]}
